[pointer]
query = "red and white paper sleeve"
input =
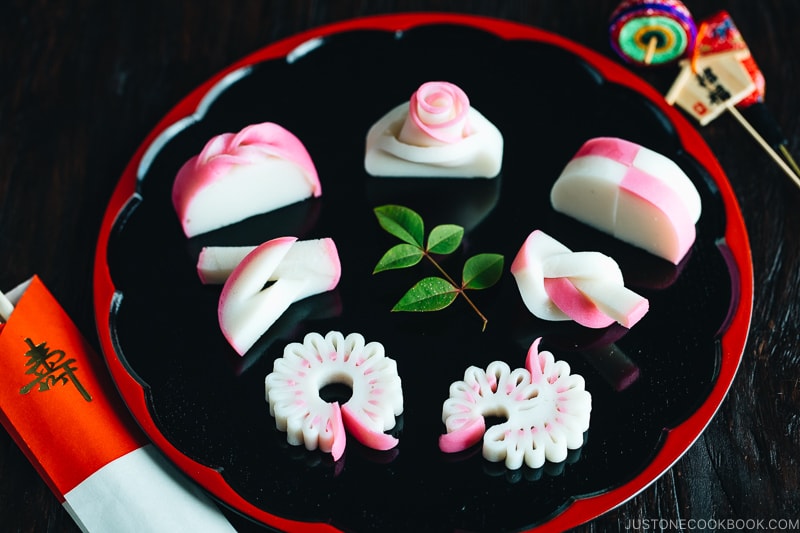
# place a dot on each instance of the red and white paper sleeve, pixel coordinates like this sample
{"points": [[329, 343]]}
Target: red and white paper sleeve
{"points": [[58, 403]]}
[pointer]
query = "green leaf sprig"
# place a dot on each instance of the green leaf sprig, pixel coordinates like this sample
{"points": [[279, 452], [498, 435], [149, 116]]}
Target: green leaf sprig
{"points": [[433, 293]]}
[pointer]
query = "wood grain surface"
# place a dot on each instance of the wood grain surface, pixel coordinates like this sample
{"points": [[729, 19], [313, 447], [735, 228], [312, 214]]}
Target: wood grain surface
{"points": [[83, 82]]}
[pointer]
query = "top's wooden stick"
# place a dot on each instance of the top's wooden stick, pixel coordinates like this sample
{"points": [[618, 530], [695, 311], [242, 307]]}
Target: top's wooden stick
{"points": [[651, 50]]}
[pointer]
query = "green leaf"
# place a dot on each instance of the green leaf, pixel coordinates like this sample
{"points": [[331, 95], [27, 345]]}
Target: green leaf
{"points": [[482, 271], [400, 256], [429, 294], [402, 222], [445, 239]]}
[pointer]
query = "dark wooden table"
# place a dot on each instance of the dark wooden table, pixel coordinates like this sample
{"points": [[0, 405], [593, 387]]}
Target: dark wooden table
{"points": [[83, 82]]}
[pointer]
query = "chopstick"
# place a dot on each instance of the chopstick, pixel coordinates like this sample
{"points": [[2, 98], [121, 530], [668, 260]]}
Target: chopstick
{"points": [[6, 308], [765, 145]]}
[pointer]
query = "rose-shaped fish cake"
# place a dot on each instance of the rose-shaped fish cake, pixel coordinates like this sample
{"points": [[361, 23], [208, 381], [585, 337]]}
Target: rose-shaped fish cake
{"points": [[437, 114], [435, 134]]}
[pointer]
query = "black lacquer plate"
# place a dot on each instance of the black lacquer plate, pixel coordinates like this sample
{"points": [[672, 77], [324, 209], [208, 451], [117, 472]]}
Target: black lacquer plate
{"points": [[204, 405]]}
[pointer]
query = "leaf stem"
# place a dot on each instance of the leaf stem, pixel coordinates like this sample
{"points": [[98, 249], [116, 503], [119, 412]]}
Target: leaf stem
{"points": [[460, 289]]}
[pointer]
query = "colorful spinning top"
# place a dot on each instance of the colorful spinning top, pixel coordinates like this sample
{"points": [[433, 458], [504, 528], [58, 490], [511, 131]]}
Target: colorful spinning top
{"points": [[652, 32]]}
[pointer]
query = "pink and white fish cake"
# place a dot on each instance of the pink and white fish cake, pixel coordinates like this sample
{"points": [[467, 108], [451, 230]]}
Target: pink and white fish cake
{"points": [[556, 283], [435, 134], [239, 175], [546, 411], [631, 192], [265, 281], [293, 392]]}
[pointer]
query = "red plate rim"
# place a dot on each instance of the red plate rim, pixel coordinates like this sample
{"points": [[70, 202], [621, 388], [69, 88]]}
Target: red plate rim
{"points": [[579, 511]]}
